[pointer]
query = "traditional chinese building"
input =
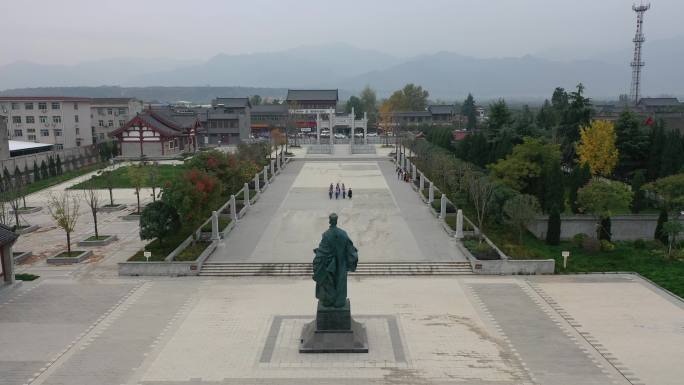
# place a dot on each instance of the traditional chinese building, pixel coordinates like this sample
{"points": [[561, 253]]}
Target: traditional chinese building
{"points": [[159, 132]]}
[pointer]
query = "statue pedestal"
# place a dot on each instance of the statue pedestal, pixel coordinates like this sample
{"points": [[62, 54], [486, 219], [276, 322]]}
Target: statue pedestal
{"points": [[333, 331]]}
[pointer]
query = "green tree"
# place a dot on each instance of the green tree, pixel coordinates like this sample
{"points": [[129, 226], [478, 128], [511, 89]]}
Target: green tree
{"points": [[673, 154], [597, 147], [158, 220], [58, 165], [36, 171], [92, 198], [481, 194], [553, 228], [579, 177], [369, 100], [632, 143], [520, 211], [553, 187], [602, 199], [672, 229], [660, 233], [575, 114], [499, 115], [409, 98], [27, 174], [639, 201], [468, 111], [547, 118], [52, 167], [655, 154], [355, 103], [670, 192], [255, 100], [43, 170]]}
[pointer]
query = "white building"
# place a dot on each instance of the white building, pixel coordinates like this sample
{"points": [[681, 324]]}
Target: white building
{"points": [[59, 120], [109, 114]]}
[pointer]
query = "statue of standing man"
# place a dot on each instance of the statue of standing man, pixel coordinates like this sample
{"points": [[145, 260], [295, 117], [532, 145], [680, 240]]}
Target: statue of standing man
{"points": [[334, 257]]}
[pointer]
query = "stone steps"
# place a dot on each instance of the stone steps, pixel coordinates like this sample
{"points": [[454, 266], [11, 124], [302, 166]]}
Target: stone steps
{"points": [[227, 269]]}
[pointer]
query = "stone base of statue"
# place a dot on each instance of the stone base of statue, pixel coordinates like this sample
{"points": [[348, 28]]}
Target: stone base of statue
{"points": [[333, 331]]}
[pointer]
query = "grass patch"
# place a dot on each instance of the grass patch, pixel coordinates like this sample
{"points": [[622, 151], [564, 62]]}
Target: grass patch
{"points": [[479, 250], [51, 181], [120, 177], [66, 254], [159, 252], [26, 277], [192, 252], [223, 222], [98, 238]]}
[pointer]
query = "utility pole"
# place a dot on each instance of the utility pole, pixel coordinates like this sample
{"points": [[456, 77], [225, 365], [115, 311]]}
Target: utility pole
{"points": [[637, 64]]}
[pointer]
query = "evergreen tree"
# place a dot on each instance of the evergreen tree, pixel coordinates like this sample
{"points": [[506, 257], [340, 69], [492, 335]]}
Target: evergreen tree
{"points": [[673, 154], [604, 230], [554, 191], [52, 169], [660, 233], [657, 139], [502, 146], [43, 170], [639, 201], [27, 174], [18, 175], [632, 143], [553, 229], [499, 115], [547, 117], [60, 171], [468, 111], [36, 172], [577, 114], [478, 153]]}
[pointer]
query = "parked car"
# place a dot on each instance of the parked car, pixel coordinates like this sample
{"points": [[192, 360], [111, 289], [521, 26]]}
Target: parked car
{"points": [[373, 134], [340, 136]]}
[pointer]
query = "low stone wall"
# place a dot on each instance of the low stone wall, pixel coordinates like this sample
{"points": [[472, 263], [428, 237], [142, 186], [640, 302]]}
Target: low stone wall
{"points": [[319, 149], [513, 267], [363, 149], [71, 159], [158, 268], [623, 227]]}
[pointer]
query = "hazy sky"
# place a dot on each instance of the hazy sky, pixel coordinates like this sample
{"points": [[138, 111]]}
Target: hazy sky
{"points": [[70, 31]]}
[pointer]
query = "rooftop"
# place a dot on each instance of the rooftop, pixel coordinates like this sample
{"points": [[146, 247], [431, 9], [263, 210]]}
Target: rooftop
{"points": [[41, 98], [441, 109], [98, 101], [659, 102], [231, 102], [16, 145]]}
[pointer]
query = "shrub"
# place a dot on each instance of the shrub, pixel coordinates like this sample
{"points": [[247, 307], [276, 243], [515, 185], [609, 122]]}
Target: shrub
{"points": [[607, 246], [591, 245], [553, 228], [578, 239], [639, 244]]}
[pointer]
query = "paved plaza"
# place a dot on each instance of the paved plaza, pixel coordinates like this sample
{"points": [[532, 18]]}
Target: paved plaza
{"points": [[84, 325]]}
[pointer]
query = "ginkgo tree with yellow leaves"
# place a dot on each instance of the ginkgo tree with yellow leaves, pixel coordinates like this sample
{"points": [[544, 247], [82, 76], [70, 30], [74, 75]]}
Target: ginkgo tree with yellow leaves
{"points": [[597, 147]]}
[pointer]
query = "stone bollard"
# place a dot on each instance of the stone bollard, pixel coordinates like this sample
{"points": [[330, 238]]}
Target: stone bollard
{"points": [[431, 193], [280, 162], [233, 210], [413, 172], [459, 224], [422, 182], [214, 226], [257, 183], [442, 207], [272, 167], [247, 195], [265, 176]]}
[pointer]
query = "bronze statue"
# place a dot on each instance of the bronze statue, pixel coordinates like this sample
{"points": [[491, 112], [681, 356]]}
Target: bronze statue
{"points": [[334, 257]]}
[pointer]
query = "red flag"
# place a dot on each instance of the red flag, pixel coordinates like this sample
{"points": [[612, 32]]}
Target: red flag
{"points": [[649, 121]]}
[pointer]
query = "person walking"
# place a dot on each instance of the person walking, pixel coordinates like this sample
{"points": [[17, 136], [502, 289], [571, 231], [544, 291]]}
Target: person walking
{"points": [[337, 191], [330, 191], [344, 191], [349, 193]]}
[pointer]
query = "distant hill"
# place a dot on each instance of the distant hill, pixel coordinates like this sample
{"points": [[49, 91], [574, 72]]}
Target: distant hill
{"points": [[447, 75], [151, 94]]}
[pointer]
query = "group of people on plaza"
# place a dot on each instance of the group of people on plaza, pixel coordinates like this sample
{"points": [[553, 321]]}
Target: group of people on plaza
{"points": [[403, 175], [337, 191]]}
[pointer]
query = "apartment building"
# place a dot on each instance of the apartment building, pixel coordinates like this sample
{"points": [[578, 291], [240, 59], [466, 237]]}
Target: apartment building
{"points": [[109, 114], [61, 121]]}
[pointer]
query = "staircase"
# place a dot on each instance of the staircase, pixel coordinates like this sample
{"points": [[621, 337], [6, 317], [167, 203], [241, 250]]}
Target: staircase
{"points": [[227, 269]]}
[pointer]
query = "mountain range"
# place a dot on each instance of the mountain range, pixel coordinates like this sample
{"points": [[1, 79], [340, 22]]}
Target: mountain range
{"points": [[447, 75]]}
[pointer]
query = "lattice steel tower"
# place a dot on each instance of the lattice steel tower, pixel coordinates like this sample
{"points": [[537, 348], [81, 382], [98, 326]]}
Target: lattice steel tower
{"points": [[637, 64]]}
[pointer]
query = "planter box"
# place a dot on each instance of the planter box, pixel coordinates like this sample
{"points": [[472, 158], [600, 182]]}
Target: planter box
{"points": [[55, 260], [27, 230], [111, 209], [21, 256], [28, 210], [131, 217], [166, 268], [101, 242]]}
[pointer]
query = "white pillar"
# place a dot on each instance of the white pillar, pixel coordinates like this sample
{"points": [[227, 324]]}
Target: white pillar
{"points": [[247, 195], [214, 226], [265, 176], [365, 128], [318, 128], [413, 172], [422, 181], [431, 193], [332, 130], [233, 209], [257, 184], [353, 126], [272, 167], [279, 160], [459, 224], [442, 207]]}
